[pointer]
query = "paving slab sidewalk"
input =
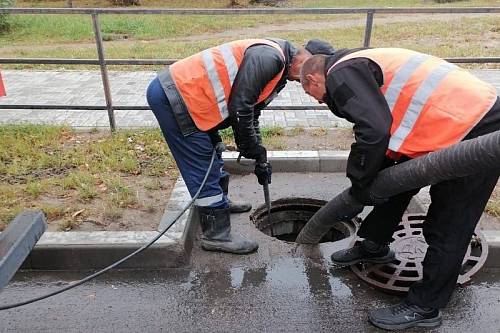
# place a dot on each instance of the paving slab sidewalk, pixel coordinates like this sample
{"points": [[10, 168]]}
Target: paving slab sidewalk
{"points": [[129, 89]]}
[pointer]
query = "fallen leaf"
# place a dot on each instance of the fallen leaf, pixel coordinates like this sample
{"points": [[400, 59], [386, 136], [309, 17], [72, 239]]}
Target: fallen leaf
{"points": [[75, 214]]}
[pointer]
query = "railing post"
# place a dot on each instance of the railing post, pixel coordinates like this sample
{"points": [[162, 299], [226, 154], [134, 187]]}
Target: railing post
{"points": [[104, 71], [368, 28]]}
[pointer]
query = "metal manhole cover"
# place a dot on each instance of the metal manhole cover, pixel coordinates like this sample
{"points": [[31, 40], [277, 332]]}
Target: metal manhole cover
{"points": [[410, 248]]}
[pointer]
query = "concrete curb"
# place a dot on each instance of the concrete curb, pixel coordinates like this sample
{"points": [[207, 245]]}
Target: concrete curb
{"points": [[81, 250], [493, 239], [292, 161]]}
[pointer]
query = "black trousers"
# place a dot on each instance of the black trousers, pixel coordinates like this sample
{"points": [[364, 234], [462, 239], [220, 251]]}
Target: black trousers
{"points": [[456, 207]]}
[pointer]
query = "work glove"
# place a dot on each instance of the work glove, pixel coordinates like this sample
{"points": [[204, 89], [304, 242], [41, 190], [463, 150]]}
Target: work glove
{"points": [[365, 197], [256, 152], [220, 147], [263, 171]]}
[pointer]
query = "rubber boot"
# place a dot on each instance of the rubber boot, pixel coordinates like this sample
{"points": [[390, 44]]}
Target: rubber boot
{"points": [[217, 236], [235, 207]]}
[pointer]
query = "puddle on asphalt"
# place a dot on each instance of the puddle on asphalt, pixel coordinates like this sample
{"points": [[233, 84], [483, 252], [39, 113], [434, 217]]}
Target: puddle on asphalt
{"points": [[311, 278]]}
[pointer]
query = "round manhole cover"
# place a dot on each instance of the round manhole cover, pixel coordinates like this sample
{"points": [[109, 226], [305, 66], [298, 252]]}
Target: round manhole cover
{"points": [[410, 248], [289, 215]]}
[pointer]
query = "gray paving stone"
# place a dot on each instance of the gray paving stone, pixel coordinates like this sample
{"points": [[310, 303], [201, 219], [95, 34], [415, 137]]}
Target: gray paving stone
{"points": [[129, 89]]}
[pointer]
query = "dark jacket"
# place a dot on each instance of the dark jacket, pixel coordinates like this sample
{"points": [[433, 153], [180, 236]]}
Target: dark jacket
{"points": [[261, 63], [353, 93]]}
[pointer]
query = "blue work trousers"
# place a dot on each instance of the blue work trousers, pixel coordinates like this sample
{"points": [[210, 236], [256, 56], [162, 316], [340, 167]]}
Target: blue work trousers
{"points": [[192, 153]]}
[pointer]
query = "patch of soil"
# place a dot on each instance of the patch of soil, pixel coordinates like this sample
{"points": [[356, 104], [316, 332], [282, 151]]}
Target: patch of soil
{"points": [[321, 139], [96, 215]]}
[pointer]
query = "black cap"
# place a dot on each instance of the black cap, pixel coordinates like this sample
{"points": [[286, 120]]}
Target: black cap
{"points": [[317, 46]]}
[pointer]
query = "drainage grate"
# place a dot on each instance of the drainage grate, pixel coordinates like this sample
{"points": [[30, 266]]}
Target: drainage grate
{"points": [[289, 215], [410, 247]]}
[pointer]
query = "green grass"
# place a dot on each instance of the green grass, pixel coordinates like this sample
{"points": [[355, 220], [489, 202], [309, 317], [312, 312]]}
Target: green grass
{"points": [[271, 131], [152, 185], [43, 164], [272, 137], [121, 196], [78, 28], [456, 38], [36, 188]]}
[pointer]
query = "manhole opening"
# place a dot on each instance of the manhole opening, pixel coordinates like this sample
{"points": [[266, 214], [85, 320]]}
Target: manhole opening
{"points": [[290, 215]]}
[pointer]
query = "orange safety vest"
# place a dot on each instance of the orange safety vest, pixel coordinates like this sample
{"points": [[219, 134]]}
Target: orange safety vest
{"points": [[2, 87], [433, 103], [204, 80]]}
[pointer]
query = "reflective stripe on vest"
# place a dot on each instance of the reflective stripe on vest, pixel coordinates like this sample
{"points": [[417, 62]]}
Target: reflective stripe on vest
{"points": [[2, 87], [433, 103], [205, 79]]}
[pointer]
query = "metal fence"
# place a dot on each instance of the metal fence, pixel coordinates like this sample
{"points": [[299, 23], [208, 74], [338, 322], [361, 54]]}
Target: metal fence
{"points": [[103, 62]]}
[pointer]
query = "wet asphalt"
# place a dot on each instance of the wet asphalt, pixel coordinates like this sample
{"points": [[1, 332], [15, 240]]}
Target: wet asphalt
{"points": [[284, 287]]}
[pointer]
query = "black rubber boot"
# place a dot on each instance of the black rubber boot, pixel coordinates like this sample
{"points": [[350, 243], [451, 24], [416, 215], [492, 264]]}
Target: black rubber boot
{"points": [[217, 236], [239, 207], [235, 207], [405, 315], [366, 251]]}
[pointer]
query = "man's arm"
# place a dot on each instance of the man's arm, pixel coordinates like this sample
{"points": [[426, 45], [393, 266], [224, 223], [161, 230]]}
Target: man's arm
{"points": [[260, 65], [356, 95]]}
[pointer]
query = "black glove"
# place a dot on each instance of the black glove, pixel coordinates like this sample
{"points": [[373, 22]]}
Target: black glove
{"points": [[263, 171], [220, 147], [256, 152], [365, 197]]}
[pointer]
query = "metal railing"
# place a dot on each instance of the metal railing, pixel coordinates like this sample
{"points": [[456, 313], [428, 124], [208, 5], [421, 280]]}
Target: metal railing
{"points": [[103, 62]]}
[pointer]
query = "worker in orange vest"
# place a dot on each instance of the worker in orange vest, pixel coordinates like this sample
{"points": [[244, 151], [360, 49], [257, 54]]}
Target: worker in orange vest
{"points": [[224, 86], [2, 87], [405, 104]]}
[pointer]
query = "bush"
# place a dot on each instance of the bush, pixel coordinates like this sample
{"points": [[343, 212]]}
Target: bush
{"points": [[4, 18]]}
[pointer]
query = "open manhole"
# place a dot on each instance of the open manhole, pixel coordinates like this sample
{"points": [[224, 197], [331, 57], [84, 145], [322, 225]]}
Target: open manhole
{"points": [[410, 248], [289, 215]]}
